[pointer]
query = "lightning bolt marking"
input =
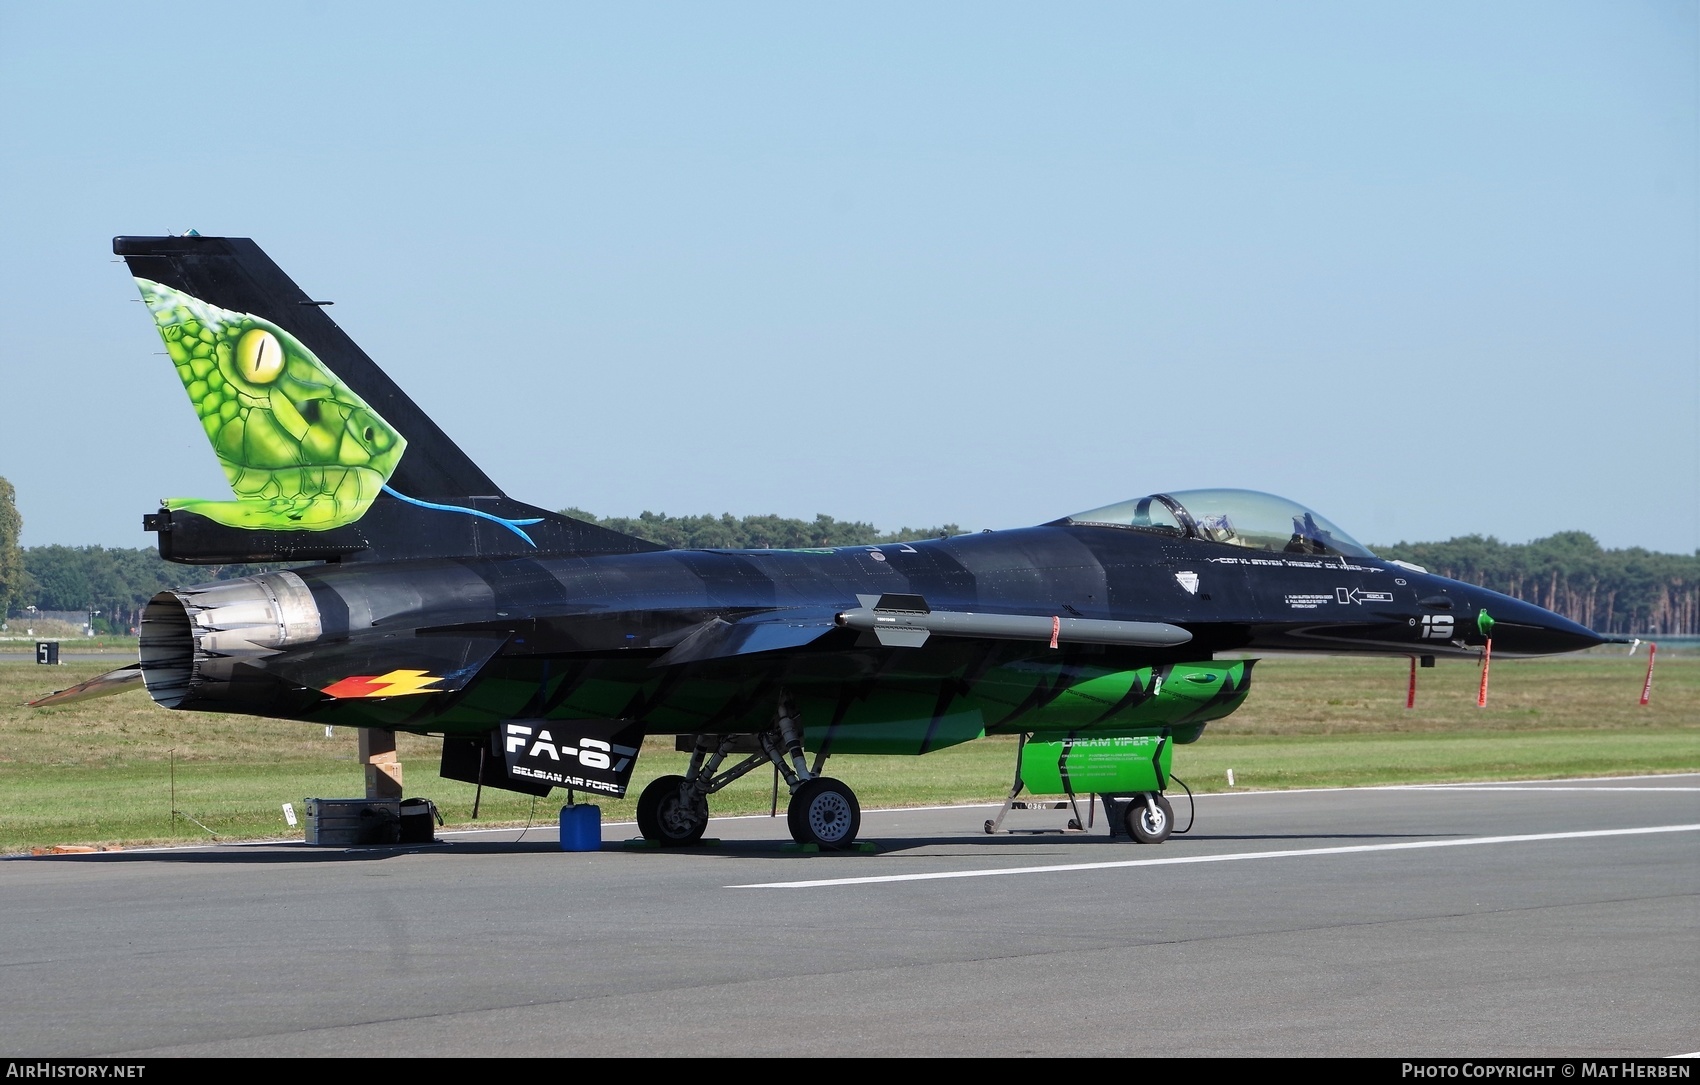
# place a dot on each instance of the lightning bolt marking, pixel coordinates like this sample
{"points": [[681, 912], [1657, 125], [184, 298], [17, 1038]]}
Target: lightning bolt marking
{"points": [[394, 684]]}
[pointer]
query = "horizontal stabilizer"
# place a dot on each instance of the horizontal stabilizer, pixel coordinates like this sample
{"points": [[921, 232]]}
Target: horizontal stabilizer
{"points": [[392, 527], [387, 666], [102, 685]]}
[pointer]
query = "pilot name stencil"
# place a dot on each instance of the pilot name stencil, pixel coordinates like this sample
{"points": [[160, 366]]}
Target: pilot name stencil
{"points": [[1289, 563]]}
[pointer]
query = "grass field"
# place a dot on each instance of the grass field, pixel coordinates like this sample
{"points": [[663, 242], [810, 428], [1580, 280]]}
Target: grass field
{"points": [[112, 771]]}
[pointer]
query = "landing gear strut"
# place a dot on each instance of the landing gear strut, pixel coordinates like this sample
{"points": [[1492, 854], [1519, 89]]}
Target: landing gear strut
{"points": [[673, 810]]}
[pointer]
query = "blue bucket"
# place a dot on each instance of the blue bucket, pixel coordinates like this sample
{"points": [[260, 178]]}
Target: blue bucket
{"points": [[581, 828]]}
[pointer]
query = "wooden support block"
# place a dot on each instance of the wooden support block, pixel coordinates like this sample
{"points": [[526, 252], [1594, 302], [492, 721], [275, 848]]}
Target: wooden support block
{"points": [[383, 767]]}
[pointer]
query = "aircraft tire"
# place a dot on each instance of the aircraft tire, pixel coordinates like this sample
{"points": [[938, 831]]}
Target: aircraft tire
{"points": [[824, 812], [1146, 828], [664, 819]]}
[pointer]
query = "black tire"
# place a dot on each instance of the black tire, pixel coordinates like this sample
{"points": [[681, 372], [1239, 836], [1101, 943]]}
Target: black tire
{"points": [[824, 812], [1146, 827], [664, 817]]}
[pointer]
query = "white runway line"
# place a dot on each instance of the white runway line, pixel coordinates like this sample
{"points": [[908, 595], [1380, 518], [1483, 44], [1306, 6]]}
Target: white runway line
{"points": [[1530, 790], [1182, 860], [1514, 785], [1563, 780]]}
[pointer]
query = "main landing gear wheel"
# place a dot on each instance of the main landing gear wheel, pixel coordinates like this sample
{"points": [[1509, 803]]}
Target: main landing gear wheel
{"points": [[667, 818], [824, 812], [1148, 825]]}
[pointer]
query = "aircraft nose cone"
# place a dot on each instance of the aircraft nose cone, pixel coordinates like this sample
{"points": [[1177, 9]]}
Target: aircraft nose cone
{"points": [[1521, 628]]}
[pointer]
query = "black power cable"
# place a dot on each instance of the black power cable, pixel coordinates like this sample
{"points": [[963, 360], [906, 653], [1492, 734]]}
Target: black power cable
{"points": [[1191, 806]]}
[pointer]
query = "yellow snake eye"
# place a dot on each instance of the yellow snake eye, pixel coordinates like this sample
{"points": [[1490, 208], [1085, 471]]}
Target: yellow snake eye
{"points": [[259, 356]]}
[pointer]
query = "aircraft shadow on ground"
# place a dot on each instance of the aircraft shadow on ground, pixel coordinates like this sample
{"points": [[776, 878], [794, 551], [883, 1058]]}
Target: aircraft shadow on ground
{"points": [[238, 854], [294, 853], [1011, 843]]}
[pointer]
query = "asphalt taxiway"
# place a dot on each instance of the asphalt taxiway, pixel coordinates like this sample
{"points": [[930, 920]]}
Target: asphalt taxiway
{"points": [[1550, 918]]}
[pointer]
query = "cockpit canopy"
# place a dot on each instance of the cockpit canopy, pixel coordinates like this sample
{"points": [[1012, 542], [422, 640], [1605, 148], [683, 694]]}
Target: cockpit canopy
{"points": [[1246, 518]]}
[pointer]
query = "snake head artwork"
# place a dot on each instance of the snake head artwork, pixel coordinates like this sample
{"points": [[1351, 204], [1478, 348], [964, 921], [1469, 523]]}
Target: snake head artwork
{"points": [[301, 450]]}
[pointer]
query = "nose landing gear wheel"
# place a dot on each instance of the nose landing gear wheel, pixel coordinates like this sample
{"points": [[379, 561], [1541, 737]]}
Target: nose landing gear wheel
{"points": [[1150, 826], [664, 817], [825, 813]]}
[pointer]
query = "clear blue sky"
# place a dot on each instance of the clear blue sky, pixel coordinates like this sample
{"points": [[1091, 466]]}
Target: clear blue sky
{"points": [[1432, 269]]}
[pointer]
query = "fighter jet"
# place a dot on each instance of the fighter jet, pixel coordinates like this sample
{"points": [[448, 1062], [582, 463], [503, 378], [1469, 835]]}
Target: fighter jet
{"points": [[544, 649]]}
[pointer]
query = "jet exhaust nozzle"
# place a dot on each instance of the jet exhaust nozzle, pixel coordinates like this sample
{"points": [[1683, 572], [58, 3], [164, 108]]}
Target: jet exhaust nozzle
{"points": [[192, 639]]}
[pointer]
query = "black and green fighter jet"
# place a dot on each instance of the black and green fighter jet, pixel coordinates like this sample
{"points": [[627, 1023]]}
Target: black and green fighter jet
{"points": [[544, 649]]}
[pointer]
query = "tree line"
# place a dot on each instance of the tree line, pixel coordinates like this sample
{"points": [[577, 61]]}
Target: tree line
{"points": [[118, 582], [1632, 591], [728, 532]]}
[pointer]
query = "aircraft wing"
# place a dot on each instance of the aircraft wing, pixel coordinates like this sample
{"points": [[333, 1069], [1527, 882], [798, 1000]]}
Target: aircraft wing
{"points": [[769, 631], [905, 621], [388, 666]]}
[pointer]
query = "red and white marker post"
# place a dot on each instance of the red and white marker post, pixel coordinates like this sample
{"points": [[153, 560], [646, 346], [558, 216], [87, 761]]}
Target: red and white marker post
{"points": [[1647, 687], [1487, 660]]}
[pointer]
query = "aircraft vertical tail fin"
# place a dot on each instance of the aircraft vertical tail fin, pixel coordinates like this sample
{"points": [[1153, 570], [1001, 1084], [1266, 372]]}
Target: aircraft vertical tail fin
{"points": [[327, 457]]}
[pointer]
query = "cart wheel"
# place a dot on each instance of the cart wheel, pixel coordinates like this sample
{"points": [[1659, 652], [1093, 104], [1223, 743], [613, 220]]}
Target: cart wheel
{"points": [[1148, 826]]}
